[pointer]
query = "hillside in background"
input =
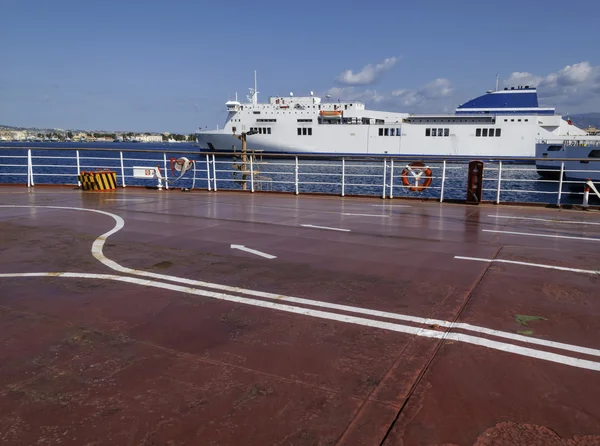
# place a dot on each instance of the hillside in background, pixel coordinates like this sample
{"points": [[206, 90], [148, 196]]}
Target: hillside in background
{"points": [[584, 120]]}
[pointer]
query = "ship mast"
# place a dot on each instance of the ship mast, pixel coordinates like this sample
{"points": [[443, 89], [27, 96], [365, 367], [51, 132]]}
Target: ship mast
{"points": [[496, 81], [255, 91], [253, 98]]}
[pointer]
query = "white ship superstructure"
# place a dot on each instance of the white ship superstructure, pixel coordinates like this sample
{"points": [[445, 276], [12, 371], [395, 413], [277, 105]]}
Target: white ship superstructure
{"points": [[503, 123]]}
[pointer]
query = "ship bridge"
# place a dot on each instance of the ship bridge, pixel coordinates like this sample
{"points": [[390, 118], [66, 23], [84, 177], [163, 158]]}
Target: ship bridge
{"points": [[514, 100]]}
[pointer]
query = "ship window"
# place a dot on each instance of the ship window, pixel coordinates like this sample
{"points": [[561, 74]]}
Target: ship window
{"points": [[264, 130], [256, 112], [310, 131], [380, 132], [498, 132], [427, 132], [519, 120], [440, 132], [512, 120], [526, 120], [345, 107], [386, 132], [491, 132], [554, 148], [397, 132], [433, 133], [506, 120], [268, 130], [594, 154], [304, 131], [234, 129], [392, 132], [484, 133], [478, 132], [299, 131], [446, 132]]}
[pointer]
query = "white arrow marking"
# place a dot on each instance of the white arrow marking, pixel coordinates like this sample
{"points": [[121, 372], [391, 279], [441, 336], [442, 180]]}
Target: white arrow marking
{"points": [[326, 227], [253, 251]]}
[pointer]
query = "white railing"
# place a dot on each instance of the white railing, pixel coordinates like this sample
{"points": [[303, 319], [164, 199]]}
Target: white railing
{"points": [[504, 180]]}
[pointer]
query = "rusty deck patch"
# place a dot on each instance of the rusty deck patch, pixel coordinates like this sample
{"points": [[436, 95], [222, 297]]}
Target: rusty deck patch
{"points": [[165, 318]]}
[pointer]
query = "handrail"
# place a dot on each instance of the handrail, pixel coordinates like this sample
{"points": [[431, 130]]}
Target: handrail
{"points": [[336, 156], [305, 173]]}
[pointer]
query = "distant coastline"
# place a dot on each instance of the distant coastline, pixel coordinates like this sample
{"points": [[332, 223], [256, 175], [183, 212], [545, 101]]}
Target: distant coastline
{"points": [[30, 134]]}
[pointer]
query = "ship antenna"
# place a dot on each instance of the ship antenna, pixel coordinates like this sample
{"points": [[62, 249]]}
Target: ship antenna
{"points": [[496, 81], [255, 92]]}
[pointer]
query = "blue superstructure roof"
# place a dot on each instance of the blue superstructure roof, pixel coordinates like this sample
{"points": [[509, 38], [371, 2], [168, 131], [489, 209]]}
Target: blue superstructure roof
{"points": [[514, 100]]}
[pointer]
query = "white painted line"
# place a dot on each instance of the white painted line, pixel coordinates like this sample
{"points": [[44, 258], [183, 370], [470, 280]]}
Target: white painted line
{"points": [[547, 220], [97, 252], [392, 205], [253, 251], [571, 237], [537, 265], [366, 215], [126, 199], [400, 328], [326, 227]]}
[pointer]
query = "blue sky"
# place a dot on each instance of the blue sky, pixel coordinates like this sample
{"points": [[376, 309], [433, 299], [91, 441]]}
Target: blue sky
{"points": [[171, 66]]}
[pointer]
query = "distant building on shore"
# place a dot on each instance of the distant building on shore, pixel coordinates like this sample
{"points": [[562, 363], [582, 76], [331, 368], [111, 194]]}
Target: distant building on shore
{"points": [[591, 130]]}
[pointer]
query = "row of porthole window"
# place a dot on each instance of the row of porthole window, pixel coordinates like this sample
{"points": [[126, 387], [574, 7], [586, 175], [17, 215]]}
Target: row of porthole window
{"points": [[261, 130], [304, 131], [437, 132], [389, 132], [488, 132]]}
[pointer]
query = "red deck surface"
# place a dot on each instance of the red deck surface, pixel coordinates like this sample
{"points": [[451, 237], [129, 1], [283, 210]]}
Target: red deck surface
{"points": [[95, 360]]}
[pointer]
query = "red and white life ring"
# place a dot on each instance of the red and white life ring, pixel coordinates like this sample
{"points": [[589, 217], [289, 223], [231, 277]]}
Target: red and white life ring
{"points": [[416, 176]]}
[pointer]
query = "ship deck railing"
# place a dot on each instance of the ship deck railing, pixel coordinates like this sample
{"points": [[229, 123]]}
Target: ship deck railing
{"points": [[505, 179]]}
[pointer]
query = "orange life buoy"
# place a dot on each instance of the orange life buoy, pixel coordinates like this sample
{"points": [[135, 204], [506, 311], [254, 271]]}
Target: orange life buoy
{"points": [[417, 171]]}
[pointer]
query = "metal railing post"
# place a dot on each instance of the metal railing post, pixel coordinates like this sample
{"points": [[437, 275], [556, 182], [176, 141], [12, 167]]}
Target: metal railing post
{"points": [[78, 168], [560, 182], [391, 178], [499, 182], [214, 173], [30, 168], [296, 176], [166, 174], [586, 194], [122, 170], [343, 176], [208, 172], [251, 175], [443, 181], [384, 178]]}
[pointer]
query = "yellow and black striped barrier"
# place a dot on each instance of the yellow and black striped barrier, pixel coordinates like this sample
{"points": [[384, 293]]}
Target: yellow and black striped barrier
{"points": [[98, 181]]}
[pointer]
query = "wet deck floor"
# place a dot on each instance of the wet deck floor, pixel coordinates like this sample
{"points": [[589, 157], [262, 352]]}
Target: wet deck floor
{"points": [[353, 321]]}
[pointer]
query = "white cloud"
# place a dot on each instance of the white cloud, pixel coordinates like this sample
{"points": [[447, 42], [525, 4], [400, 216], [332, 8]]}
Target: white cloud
{"points": [[573, 85], [437, 89], [354, 94], [368, 75], [522, 78]]}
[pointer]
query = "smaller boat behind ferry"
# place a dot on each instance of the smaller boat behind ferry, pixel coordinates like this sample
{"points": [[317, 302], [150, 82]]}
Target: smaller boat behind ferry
{"points": [[580, 154]]}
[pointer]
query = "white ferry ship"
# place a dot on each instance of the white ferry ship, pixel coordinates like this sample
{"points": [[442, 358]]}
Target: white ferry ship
{"points": [[500, 123]]}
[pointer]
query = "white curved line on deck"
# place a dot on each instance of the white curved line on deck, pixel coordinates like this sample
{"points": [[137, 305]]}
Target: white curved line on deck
{"points": [[97, 251], [407, 329]]}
